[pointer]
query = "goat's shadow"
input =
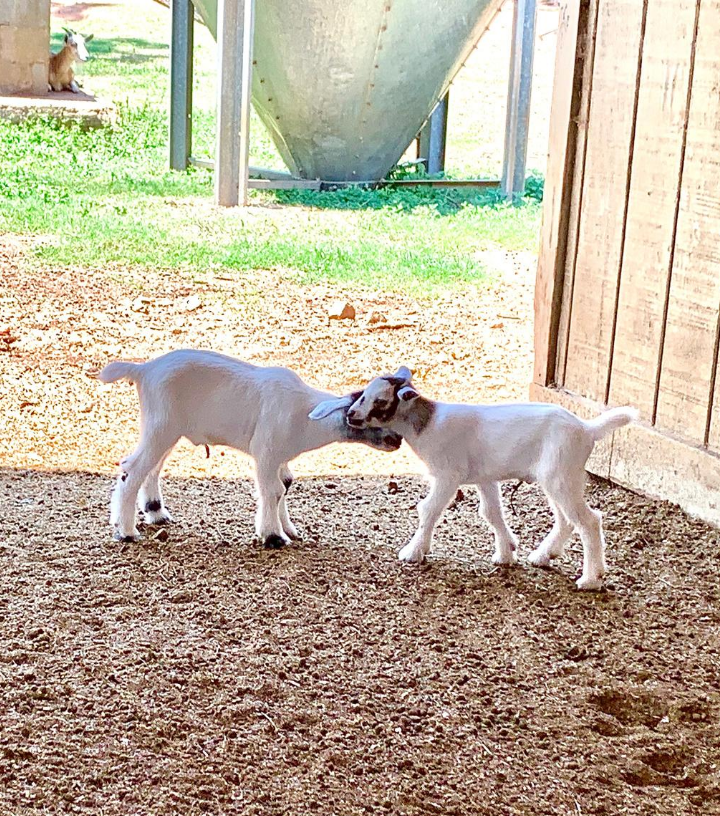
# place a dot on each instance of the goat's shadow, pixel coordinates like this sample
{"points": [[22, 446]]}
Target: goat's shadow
{"points": [[349, 515]]}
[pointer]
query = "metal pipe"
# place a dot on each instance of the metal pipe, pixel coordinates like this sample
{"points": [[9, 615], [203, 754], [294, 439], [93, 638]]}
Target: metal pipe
{"points": [[181, 76], [235, 40], [433, 137], [517, 127]]}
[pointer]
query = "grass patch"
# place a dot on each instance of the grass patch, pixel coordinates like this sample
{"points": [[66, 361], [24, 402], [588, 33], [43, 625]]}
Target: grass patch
{"points": [[106, 197]]}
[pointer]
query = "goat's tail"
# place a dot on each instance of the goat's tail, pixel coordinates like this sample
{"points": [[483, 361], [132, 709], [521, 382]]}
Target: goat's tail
{"points": [[610, 421], [119, 370]]}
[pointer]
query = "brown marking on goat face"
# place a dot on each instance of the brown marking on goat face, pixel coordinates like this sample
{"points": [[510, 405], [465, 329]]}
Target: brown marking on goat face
{"points": [[419, 412]]}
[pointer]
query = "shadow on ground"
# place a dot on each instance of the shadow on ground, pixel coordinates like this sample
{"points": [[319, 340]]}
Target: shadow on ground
{"points": [[197, 672]]}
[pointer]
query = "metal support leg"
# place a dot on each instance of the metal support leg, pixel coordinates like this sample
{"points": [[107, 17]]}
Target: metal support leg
{"points": [[181, 79], [517, 125], [432, 138], [232, 154]]}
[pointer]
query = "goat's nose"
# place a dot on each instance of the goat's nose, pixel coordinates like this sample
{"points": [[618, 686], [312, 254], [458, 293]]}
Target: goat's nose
{"points": [[351, 414]]}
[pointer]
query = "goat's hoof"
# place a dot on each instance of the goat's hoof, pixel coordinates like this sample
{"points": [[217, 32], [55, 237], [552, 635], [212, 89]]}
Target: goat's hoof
{"points": [[502, 559], [274, 542], [411, 555], [587, 584], [292, 533], [126, 539], [538, 558], [157, 518]]}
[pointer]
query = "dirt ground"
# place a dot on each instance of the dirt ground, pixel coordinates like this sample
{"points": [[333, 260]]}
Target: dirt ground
{"points": [[198, 673]]}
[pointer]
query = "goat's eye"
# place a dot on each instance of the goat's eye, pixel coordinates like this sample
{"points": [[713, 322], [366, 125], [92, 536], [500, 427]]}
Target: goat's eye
{"points": [[381, 403]]}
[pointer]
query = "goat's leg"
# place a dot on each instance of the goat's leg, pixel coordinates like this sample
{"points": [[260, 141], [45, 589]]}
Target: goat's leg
{"points": [[491, 510], [289, 528], [74, 87], [150, 498], [133, 472], [568, 495], [442, 491], [270, 488], [553, 545]]}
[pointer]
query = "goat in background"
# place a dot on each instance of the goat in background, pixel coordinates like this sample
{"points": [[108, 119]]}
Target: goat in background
{"points": [[61, 73]]}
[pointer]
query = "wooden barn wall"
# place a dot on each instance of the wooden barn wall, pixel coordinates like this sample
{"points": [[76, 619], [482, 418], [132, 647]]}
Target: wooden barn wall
{"points": [[628, 294]]}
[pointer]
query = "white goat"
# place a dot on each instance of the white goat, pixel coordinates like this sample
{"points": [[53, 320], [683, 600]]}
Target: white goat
{"points": [[61, 75], [212, 399], [485, 445]]}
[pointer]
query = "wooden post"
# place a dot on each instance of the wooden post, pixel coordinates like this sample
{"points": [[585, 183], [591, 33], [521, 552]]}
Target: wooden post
{"points": [[517, 122], [181, 77], [232, 154], [558, 187], [433, 136], [564, 112]]}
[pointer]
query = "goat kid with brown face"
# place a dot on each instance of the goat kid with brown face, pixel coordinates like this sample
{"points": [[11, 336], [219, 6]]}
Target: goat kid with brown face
{"points": [[61, 76], [488, 444]]}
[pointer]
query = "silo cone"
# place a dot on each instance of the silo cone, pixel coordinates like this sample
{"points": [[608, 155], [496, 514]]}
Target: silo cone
{"points": [[344, 86]]}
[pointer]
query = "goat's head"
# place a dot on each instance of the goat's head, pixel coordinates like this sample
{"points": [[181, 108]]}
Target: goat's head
{"points": [[382, 400], [375, 437], [77, 43]]}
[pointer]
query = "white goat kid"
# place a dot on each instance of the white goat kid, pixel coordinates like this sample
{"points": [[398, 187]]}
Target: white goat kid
{"points": [[212, 399], [485, 445], [61, 75]]}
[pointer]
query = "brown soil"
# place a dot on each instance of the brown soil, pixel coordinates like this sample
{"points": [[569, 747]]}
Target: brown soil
{"points": [[197, 673]]}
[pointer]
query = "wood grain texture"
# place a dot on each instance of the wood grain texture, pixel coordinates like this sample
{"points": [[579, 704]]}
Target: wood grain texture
{"points": [[558, 183], [652, 204], [609, 139], [586, 47], [688, 361]]}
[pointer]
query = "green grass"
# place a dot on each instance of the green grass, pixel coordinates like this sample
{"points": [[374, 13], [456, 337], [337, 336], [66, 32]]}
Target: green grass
{"points": [[106, 197]]}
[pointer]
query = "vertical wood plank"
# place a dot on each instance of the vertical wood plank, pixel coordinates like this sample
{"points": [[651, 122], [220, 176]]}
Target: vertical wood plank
{"points": [[586, 43], [609, 138], [688, 361], [558, 185], [653, 201]]}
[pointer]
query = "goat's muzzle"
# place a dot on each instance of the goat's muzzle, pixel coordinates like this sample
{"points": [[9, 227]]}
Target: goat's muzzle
{"points": [[355, 423]]}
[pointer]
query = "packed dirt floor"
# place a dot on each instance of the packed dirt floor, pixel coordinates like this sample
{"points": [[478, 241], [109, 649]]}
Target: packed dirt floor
{"points": [[195, 672]]}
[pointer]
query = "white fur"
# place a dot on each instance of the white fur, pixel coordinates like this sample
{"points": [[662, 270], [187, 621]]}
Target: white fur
{"points": [[485, 445], [212, 399]]}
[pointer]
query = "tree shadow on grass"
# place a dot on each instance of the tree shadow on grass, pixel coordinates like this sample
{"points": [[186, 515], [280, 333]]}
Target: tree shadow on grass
{"points": [[127, 49]]}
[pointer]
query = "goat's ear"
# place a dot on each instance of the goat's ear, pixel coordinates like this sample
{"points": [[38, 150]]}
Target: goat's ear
{"points": [[89, 37], [407, 393], [403, 373], [330, 406]]}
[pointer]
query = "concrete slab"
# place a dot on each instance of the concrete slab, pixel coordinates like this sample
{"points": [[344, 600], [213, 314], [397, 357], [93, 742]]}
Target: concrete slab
{"points": [[88, 110]]}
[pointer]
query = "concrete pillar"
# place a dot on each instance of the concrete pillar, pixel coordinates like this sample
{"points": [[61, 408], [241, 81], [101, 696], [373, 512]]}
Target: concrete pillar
{"points": [[24, 46]]}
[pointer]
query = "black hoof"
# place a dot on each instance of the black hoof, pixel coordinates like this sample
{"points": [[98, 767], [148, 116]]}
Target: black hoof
{"points": [[274, 542], [125, 539]]}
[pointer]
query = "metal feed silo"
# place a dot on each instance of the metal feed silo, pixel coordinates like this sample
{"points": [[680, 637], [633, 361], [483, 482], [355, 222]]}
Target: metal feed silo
{"points": [[344, 87]]}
